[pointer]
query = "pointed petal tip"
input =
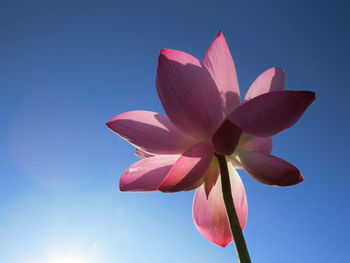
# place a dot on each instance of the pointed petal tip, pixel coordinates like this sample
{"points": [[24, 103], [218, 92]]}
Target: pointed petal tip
{"points": [[300, 178], [222, 244], [278, 70], [274, 71], [164, 51], [109, 123], [122, 184], [170, 53], [312, 95], [120, 116], [220, 34]]}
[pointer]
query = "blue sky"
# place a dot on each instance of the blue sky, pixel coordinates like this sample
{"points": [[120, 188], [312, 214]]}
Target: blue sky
{"points": [[66, 67]]}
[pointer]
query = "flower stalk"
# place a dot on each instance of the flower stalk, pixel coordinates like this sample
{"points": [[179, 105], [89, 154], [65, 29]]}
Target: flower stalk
{"points": [[240, 244]]}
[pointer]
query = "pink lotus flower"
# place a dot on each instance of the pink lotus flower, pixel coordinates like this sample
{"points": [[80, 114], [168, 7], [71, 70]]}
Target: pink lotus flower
{"points": [[204, 117]]}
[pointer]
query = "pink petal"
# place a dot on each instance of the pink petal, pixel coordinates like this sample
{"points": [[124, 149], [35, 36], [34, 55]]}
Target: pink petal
{"points": [[272, 112], [150, 131], [189, 168], [209, 215], [270, 80], [219, 62], [147, 174], [188, 93], [257, 144], [226, 138], [269, 169]]}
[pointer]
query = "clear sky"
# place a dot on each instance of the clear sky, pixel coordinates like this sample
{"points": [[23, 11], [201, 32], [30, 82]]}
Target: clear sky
{"points": [[66, 67]]}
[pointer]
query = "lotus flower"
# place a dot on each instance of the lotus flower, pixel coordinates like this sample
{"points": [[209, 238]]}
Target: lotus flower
{"points": [[204, 117]]}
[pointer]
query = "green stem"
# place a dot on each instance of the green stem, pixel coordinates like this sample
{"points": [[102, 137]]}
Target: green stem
{"points": [[241, 247]]}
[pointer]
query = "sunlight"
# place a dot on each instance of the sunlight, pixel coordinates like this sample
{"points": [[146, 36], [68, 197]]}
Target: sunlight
{"points": [[68, 260], [70, 252]]}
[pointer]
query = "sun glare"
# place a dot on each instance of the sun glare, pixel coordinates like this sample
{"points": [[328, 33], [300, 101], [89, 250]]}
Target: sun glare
{"points": [[68, 260]]}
